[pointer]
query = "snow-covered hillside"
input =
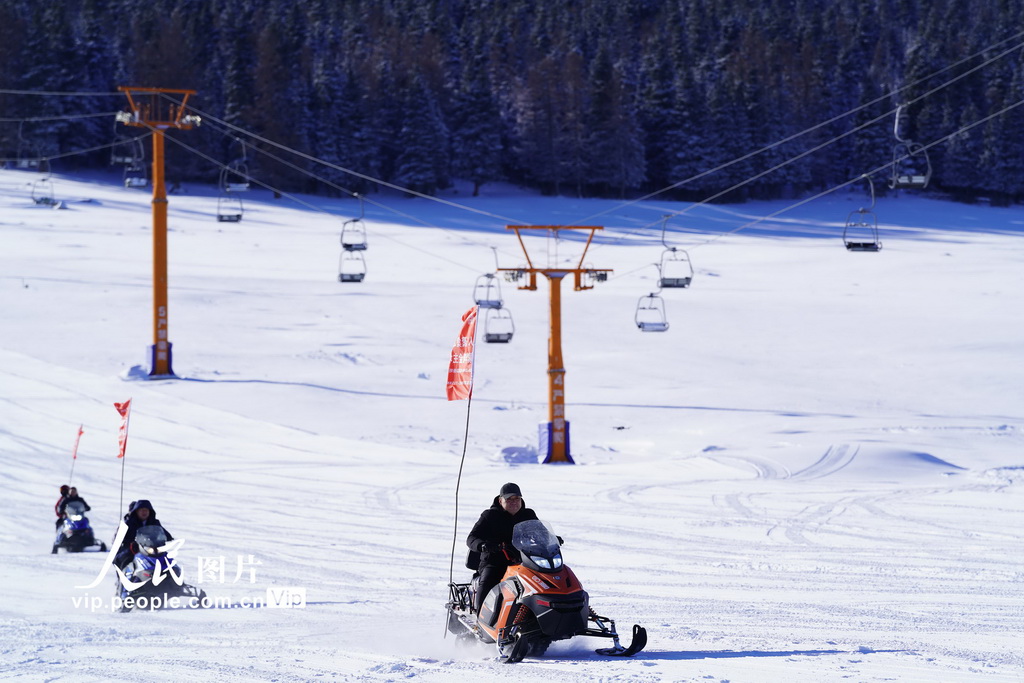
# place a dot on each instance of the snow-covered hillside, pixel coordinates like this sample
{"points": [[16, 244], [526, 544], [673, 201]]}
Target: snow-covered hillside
{"points": [[816, 474]]}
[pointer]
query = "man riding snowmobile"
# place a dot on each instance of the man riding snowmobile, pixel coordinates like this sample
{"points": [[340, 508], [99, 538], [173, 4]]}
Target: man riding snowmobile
{"points": [[535, 599], [155, 579], [493, 529], [140, 514], [75, 533]]}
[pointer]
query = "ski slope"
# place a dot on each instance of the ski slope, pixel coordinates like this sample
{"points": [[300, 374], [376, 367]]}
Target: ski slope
{"points": [[816, 474]]}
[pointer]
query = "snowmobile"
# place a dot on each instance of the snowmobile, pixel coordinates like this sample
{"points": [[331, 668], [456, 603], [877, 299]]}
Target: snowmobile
{"points": [[538, 601], [156, 579], [75, 534]]}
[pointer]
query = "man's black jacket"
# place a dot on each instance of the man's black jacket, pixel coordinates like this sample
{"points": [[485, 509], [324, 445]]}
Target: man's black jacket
{"points": [[493, 528]]}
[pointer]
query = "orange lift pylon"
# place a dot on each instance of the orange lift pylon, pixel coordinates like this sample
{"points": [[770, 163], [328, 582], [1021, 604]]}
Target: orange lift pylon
{"points": [[556, 445], [151, 108]]}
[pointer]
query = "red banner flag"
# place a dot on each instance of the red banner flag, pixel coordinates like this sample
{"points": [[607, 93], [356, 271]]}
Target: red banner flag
{"points": [[460, 368], [74, 451], [125, 411]]}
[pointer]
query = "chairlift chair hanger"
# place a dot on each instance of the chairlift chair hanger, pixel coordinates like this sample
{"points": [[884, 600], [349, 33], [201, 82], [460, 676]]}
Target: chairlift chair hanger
{"points": [[353, 231], [28, 157], [235, 176], [487, 291], [126, 151], [42, 191], [911, 166], [650, 313], [676, 268], [861, 230]]}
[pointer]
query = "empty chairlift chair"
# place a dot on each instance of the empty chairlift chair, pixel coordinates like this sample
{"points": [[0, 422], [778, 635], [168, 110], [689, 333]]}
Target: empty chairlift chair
{"points": [[487, 291], [135, 175], [353, 235], [131, 154], [861, 230], [235, 176], [650, 314], [353, 231], [911, 167], [42, 192], [234, 179], [127, 151], [498, 326], [351, 266], [229, 208], [676, 268]]}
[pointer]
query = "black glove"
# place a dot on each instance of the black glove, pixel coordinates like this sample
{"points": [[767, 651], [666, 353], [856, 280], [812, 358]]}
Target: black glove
{"points": [[488, 548]]}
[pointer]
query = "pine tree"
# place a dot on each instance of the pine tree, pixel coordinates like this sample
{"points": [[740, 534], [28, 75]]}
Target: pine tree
{"points": [[476, 129], [422, 161]]}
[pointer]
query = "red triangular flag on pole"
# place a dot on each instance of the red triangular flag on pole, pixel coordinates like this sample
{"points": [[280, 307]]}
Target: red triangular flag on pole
{"points": [[125, 411], [74, 451], [460, 368]]}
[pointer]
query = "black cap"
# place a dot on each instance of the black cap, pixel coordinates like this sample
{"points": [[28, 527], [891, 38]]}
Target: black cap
{"points": [[510, 489]]}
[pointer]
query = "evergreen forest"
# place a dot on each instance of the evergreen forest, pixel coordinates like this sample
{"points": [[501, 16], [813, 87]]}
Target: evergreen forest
{"points": [[612, 98]]}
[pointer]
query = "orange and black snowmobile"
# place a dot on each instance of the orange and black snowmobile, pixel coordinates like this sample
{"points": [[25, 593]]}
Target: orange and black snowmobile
{"points": [[538, 601]]}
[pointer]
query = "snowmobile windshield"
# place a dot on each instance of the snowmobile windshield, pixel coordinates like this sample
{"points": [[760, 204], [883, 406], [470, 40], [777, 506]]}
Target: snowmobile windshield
{"points": [[150, 539], [535, 537], [75, 509]]}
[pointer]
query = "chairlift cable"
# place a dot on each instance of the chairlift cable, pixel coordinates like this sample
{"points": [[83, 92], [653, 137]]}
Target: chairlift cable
{"points": [[316, 208], [68, 117], [337, 167], [834, 188], [87, 150], [359, 195], [847, 183], [59, 93], [805, 153], [816, 127]]}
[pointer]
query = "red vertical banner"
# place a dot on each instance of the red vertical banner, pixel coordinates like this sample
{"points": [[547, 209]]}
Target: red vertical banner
{"points": [[74, 451], [125, 411], [460, 367]]}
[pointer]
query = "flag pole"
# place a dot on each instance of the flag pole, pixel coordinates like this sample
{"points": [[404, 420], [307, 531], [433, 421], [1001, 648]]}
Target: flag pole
{"points": [[460, 385], [458, 482]]}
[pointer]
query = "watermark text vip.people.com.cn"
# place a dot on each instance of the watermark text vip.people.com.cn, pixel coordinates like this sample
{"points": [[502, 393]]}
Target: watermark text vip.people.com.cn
{"points": [[290, 597]]}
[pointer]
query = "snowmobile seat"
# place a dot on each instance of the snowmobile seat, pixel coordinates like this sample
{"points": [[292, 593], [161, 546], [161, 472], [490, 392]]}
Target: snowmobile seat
{"points": [[473, 560]]}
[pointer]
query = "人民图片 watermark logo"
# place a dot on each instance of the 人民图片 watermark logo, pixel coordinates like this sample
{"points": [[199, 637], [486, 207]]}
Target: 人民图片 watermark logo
{"points": [[161, 564]]}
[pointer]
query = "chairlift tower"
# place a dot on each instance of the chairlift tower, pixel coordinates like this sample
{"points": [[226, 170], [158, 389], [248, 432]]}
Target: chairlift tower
{"points": [[556, 445], [151, 108]]}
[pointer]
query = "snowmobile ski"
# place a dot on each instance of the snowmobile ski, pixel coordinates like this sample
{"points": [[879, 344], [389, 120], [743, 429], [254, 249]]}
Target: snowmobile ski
{"points": [[639, 642]]}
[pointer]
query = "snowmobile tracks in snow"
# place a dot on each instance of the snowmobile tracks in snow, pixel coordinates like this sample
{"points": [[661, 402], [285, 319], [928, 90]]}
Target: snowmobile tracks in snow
{"points": [[834, 459]]}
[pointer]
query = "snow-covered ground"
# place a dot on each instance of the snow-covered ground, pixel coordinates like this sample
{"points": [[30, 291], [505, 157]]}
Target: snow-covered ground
{"points": [[816, 474]]}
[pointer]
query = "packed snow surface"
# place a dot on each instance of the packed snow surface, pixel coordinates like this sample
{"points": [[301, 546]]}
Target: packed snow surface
{"points": [[816, 474]]}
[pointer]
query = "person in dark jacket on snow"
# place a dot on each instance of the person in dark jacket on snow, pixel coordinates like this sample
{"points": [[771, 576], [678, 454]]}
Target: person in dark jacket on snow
{"points": [[140, 514], [58, 508], [72, 495], [492, 530]]}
